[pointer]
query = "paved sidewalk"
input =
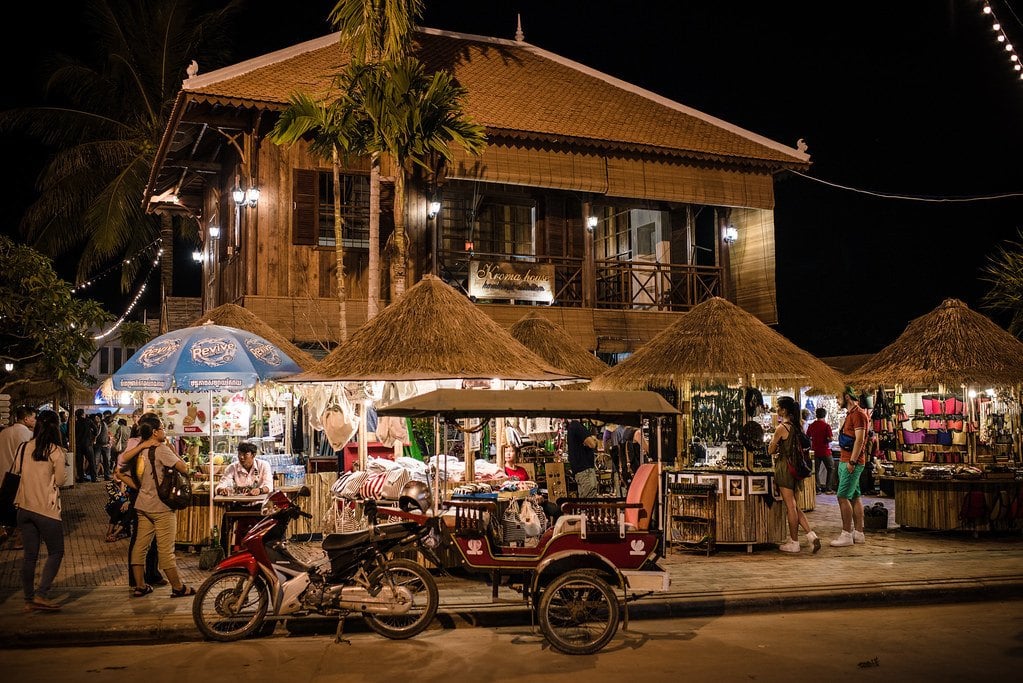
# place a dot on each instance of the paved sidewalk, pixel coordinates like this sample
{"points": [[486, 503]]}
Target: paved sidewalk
{"points": [[894, 566]]}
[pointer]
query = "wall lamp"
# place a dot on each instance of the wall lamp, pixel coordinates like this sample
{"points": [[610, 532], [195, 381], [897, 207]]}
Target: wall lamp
{"points": [[433, 209], [591, 223], [214, 232], [197, 256], [9, 366], [731, 234], [249, 197]]}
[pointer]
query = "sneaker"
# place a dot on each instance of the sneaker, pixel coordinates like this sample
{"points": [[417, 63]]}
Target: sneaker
{"points": [[789, 547], [814, 539], [858, 537], [41, 603], [844, 539]]}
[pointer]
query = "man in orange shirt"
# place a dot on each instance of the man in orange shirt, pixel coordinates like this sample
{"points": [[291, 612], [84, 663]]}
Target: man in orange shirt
{"points": [[852, 441]]}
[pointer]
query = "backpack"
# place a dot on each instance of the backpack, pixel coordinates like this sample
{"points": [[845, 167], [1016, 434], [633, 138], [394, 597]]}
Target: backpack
{"points": [[799, 459], [174, 488]]}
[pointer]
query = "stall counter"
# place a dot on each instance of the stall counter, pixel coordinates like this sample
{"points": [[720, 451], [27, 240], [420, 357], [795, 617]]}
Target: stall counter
{"points": [[937, 504]]}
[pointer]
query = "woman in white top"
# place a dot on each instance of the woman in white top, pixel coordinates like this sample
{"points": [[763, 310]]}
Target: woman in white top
{"points": [[42, 467]]}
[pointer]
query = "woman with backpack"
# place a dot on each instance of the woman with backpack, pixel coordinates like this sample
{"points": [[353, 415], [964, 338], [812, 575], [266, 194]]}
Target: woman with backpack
{"points": [[781, 447], [126, 473], [154, 517]]}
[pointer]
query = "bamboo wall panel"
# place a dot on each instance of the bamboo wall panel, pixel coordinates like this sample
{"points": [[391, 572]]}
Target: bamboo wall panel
{"points": [[505, 162], [750, 521], [936, 505], [807, 498], [752, 263]]}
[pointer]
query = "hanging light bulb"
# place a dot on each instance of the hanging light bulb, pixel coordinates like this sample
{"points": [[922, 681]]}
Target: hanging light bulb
{"points": [[1001, 38], [987, 9], [996, 26]]}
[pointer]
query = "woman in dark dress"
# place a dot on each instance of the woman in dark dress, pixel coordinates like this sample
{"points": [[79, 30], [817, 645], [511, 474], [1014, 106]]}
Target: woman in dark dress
{"points": [[781, 445]]}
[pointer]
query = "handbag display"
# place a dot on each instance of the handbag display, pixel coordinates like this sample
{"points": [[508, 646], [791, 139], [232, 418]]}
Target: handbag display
{"points": [[513, 530], [174, 488], [9, 491]]}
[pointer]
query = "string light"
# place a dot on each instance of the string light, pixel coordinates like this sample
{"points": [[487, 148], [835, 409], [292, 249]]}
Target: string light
{"points": [[134, 301], [116, 268], [1001, 37]]}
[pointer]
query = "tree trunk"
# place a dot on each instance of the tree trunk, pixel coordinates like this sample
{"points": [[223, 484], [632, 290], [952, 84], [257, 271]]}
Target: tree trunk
{"points": [[373, 298], [400, 257], [339, 253]]}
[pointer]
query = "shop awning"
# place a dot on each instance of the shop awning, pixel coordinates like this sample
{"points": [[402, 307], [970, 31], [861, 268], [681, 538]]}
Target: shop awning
{"points": [[678, 180]]}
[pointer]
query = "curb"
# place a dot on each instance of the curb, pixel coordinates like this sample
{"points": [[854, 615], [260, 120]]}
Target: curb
{"points": [[179, 628]]}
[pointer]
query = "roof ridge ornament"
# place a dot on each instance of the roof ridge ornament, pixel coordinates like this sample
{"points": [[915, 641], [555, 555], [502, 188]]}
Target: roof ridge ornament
{"points": [[519, 35], [193, 69]]}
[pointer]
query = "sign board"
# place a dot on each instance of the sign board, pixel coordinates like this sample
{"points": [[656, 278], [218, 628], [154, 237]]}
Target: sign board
{"points": [[5, 408], [200, 413], [556, 485], [519, 280]]}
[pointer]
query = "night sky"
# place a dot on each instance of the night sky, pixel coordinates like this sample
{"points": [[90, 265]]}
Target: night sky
{"points": [[913, 97]]}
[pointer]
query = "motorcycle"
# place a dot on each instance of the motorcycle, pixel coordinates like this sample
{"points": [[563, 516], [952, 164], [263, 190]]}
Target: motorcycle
{"points": [[265, 581]]}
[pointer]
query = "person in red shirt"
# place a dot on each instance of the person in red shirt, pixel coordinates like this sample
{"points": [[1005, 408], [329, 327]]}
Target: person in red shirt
{"points": [[852, 441], [820, 435], [511, 467]]}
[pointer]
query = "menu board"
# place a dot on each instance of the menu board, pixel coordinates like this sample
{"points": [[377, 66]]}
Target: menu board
{"points": [[182, 414], [231, 414]]}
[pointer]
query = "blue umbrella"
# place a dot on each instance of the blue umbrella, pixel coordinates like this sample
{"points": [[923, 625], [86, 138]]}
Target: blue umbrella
{"points": [[204, 358]]}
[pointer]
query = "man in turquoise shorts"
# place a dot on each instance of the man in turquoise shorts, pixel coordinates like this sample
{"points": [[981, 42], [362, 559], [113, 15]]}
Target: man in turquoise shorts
{"points": [[852, 441]]}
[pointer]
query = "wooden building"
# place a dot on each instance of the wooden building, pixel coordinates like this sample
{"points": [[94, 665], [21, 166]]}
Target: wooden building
{"points": [[620, 208]]}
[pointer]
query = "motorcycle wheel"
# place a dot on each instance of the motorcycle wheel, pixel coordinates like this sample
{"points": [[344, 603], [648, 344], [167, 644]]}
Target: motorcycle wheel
{"points": [[578, 612], [213, 615], [425, 599]]}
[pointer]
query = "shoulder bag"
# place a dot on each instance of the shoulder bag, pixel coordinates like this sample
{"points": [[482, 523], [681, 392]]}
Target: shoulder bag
{"points": [[9, 490], [174, 488]]}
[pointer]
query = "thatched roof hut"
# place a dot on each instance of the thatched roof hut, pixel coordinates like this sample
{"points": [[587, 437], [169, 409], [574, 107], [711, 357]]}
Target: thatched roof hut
{"points": [[555, 345], [717, 343], [232, 315], [431, 332], [952, 345]]}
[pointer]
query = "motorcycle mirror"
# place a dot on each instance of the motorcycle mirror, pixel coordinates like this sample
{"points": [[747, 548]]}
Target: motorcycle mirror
{"points": [[304, 492]]}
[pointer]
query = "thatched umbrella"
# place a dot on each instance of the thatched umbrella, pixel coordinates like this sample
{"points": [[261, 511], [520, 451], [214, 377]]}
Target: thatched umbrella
{"points": [[718, 343], [952, 346], [232, 315], [556, 346], [431, 332]]}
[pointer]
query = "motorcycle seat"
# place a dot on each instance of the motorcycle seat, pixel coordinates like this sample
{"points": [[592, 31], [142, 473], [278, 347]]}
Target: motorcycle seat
{"points": [[343, 541]]}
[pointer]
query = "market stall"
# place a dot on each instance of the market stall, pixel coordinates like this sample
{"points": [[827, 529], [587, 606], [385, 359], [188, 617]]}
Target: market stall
{"points": [[717, 362], [947, 410], [194, 378], [429, 338]]}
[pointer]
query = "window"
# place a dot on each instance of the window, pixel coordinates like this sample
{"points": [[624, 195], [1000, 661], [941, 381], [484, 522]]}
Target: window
{"points": [[104, 361], [500, 226], [117, 358], [313, 196]]}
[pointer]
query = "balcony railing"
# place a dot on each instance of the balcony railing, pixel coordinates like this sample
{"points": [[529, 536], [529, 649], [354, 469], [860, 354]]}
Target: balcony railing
{"points": [[655, 286], [619, 285]]}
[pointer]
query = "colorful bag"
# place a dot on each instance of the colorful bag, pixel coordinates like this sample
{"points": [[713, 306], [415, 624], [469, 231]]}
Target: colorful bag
{"points": [[913, 436], [944, 437], [959, 438], [798, 459]]}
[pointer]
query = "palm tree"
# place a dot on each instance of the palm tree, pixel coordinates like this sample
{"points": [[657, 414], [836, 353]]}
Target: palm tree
{"points": [[375, 30], [105, 121], [1004, 272], [414, 117], [334, 134]]}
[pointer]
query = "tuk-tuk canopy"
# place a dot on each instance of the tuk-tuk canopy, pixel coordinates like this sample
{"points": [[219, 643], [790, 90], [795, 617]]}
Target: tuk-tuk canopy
{"points": [[622, 407]]}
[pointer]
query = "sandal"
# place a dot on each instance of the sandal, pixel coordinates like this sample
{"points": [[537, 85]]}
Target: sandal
{"points": [[184, 592], [141, 591]]}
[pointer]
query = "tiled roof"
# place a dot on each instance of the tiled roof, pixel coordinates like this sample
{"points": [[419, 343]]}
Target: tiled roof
{"points": [[514, 89]]}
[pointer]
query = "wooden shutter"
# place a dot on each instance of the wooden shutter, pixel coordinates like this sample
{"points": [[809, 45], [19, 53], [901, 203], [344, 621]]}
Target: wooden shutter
{"points": [[305, 198]]}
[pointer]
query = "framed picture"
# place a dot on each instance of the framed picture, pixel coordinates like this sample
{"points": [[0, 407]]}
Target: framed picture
{"points": [[714, 479], [758, 486], [735, 488], [775, 493], [686, 478]]}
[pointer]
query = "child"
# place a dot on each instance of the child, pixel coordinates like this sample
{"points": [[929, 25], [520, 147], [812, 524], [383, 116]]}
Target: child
{"points": [[117, 508]]}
